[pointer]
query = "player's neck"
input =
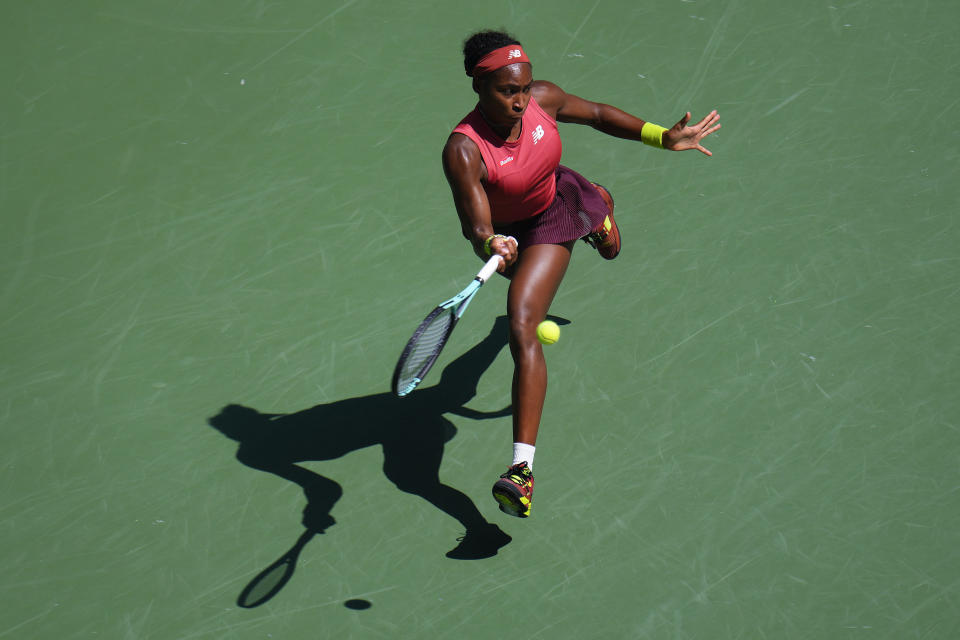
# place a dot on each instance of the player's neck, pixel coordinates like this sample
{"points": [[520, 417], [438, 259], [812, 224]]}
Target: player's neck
{"points": [[509, 133]]}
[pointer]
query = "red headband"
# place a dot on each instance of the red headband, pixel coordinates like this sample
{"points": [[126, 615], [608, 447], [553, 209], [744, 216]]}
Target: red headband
{"points": [[499, 58]]}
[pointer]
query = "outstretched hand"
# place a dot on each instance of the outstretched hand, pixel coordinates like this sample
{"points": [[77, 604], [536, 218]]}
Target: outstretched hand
{"points": [[681, 137]]}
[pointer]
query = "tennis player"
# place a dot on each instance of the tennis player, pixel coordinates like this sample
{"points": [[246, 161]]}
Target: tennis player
{"points": [[503, 165]]}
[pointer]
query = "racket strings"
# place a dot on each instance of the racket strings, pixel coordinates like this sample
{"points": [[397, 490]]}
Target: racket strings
{"points": [[424, 349]]}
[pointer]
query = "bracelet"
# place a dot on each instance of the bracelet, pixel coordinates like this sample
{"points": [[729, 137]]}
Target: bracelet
{"points": [[652, 134], [486, 243]]}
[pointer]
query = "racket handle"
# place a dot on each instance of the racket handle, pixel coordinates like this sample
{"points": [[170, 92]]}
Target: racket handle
{"points": [[489, 269]]}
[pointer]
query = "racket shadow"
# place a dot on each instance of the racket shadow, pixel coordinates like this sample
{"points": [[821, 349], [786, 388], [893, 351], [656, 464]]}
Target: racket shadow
{"points": [[271, 580], [412, 432]]}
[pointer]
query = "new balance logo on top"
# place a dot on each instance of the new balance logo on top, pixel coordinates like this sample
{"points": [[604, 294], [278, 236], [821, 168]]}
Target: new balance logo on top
{"points": [[514, 53], [506, 160], [537, 134]]}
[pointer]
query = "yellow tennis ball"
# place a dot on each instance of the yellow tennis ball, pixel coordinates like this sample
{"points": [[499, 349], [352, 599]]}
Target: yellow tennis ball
{"points": [[548, 332]]}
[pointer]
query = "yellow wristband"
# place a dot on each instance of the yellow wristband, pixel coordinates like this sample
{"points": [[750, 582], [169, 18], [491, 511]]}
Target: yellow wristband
{"points": [[652, 134], [486, 243]]}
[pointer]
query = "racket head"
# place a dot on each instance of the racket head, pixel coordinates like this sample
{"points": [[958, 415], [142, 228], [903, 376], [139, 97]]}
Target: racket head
{"points": [[422, 349]]}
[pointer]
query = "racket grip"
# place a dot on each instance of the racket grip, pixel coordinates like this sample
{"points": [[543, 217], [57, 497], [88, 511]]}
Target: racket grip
{"points": [[489, 269]]}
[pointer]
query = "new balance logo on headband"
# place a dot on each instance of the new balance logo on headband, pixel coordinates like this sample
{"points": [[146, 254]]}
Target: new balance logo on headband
{"points": [[510, 54], [537, 134]]}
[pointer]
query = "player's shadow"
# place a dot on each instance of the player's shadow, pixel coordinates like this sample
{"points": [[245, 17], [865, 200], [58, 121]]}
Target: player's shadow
{"points": [[412, 432]]}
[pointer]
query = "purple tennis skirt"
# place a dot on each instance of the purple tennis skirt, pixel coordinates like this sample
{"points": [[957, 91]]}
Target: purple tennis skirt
{"points": [[576, 210]]}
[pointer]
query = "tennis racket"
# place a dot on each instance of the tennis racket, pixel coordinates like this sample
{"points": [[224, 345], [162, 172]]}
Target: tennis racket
{"points": [[432, 334]]}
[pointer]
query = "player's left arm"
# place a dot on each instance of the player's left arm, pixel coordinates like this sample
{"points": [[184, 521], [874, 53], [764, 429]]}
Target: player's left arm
{"points": [[566, 107]]}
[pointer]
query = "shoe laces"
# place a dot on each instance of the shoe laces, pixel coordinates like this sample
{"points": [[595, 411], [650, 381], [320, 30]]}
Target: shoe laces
{"points": [[518, 473], [596, 238]]}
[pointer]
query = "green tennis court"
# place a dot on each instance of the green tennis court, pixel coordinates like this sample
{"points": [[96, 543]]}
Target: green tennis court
{"points": [[752, 428]]}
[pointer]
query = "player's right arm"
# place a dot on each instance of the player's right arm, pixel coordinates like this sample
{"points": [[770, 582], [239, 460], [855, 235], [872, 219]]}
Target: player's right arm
{"points": [[465, 171]]}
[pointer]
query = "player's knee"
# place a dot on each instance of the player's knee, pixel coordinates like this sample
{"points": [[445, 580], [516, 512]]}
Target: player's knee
{"points": [[523, 330]]}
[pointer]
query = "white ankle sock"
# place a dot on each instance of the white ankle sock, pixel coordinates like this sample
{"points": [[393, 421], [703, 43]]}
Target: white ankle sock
{"points": [[523, 452]]}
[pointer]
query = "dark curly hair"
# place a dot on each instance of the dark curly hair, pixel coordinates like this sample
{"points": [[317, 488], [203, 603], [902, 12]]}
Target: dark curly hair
{"points": [[482, 43]]}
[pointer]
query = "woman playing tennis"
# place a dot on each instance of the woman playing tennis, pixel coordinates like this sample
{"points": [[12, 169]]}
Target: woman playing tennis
{"points": [[516, 200]]}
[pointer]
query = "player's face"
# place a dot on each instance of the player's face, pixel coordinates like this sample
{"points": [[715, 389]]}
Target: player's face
{"points": [[505, 93]]}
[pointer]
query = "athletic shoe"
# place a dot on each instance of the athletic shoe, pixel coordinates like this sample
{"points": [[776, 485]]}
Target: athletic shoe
{"points": [[514, 490], [606, 237], [479, 543]]}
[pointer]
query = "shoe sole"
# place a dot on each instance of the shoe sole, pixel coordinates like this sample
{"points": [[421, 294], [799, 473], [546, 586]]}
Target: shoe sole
{"points": [[511, 502]]}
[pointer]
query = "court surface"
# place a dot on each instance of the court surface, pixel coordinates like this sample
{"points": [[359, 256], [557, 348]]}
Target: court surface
{"points": [[752, 428]]}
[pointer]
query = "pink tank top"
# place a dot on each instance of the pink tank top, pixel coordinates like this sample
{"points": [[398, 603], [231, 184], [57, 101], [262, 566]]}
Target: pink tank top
{"points": [[520, 175]]}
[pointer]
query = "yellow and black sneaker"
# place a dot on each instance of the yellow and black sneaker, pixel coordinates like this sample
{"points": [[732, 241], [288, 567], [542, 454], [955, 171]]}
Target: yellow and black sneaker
{"points": [[514, 490], [606, 237]]}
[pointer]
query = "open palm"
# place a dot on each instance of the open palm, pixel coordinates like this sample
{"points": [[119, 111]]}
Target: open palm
{"points": [[681, 136]]}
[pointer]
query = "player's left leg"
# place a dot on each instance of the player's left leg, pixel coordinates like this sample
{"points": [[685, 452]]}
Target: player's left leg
{"points": [[533, 286], [539, 272]]}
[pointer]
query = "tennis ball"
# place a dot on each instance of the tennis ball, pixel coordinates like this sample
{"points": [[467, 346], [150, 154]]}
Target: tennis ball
{"points": [[548, 332]]}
